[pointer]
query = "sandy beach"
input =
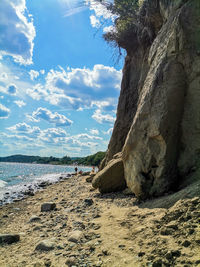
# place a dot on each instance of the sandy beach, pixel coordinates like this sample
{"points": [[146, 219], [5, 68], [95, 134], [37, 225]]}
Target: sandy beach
{"points": [[90, 229]]}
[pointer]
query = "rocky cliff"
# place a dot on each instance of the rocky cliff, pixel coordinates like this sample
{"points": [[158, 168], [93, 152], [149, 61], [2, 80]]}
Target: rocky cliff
{"points": [[158, 116]]}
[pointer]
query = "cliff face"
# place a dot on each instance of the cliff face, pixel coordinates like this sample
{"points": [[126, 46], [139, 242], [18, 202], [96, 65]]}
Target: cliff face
{"points": [[158, 116]]}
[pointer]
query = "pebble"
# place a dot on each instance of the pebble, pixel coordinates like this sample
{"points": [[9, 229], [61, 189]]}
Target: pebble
{"points": [[75, 236], [35, 218], [186, 243], [9, 238], [48, 206], [88, 202], [45, 245]]}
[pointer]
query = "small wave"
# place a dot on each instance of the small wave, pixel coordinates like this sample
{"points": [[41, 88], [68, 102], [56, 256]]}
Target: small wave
{"points": [[2, 183]]}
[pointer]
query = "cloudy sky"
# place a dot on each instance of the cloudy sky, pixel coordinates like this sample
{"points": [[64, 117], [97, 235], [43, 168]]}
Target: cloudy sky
{"points": [[59, 84]]}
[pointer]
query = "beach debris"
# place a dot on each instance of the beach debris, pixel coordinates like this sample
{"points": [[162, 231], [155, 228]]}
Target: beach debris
{"points": [[75, 236], [48, 206], [45, 245], [9, 238]]}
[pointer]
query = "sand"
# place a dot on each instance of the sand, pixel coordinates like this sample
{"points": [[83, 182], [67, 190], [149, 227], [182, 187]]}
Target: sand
{"points": [[108, 230]]}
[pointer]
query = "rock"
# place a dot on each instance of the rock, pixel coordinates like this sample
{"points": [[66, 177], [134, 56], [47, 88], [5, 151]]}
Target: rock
{"points": [[35, 218], [75, 236], [48, 206], [9, 238], [71, 261], [89, 178], [127, 192], [45, 245], [157, 127], [111, 178], [88, 202], [186, 243], [141, 254], [157, 263]]}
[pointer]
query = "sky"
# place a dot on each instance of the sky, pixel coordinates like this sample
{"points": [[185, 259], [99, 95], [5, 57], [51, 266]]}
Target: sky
{"points": [[59, 81]]}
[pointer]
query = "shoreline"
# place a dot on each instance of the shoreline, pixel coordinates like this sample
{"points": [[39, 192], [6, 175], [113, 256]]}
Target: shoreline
{"points": [[111, 230], [23, 189]]}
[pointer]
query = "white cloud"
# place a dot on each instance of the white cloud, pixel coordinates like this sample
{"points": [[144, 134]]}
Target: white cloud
{"points": [[109, 131], [4, 112], [99, 9], [101, 118], [20, 103], [42, 72], [45, 114], [25, 129], [76, 88], [49, 135], [87, 136], [109, 29], [94, 22], [73, 11], [33, 74], [17, 31], [94, 131], [3, 76]]}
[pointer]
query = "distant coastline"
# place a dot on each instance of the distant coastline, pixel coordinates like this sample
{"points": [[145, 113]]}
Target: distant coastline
{"points": [[92, 160]]}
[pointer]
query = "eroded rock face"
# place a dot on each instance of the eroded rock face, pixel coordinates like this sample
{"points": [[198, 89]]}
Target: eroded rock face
{"points": [[158, 118], [111, 178]]}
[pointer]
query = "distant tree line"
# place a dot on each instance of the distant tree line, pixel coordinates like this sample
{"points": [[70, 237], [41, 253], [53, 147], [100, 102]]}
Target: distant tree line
{"points": [[92, 160]]}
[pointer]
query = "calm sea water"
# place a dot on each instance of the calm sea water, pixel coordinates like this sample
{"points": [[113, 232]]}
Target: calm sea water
{"points": [[16, 177]]}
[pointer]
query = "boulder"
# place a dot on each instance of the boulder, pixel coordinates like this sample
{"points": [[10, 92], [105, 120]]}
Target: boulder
{"points": [[75, 236], [111, 178], [9, 238], [48, 206], [45, 245], [89, 178]]}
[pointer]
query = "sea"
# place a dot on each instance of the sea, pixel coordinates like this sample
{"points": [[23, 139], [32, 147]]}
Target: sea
{"points": [[17, 178]]}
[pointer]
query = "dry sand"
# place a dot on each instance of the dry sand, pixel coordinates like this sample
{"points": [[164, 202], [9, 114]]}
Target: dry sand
{"points": [[108, 230]]}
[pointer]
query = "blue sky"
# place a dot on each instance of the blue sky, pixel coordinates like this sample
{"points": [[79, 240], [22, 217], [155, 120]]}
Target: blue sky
{"points": [[59, 86]]}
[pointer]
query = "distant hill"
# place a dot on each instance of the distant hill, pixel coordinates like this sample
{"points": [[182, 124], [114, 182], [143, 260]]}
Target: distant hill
{"points": [[92, 160]]}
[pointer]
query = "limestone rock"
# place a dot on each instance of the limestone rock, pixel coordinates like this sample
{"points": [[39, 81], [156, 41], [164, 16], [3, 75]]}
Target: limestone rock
{"points": [[158, 116], [111, 178], [75, 236], [48, 206], [45, 245], [9, 238]]}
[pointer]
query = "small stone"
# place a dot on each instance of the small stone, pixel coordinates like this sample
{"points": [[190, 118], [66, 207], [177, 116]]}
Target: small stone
{"points": [[166, 231], [75, 236], [141, 254], [48, 206], [157, 263], [105, 252], [186, 243], [45, 245], [191, 231], [121, 246], [176, 253], [70, 261], [88, 201], [9, 238], [35, 218]]}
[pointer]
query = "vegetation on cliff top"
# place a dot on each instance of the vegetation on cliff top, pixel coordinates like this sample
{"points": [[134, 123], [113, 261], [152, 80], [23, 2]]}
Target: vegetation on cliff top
{"points": [[125, 23], [92, 160]]}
